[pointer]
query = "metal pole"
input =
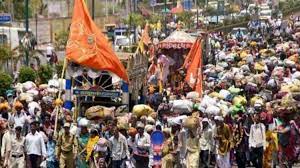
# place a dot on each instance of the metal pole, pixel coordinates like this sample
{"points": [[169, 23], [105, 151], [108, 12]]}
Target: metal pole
{"points": [[36, 27], [197, 15], [93, 9], [27, 29], [106, 10], [165, 14]]}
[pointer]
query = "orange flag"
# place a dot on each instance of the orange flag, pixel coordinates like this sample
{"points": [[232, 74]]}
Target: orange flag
{"points": [[87, 45], [194, 70]]}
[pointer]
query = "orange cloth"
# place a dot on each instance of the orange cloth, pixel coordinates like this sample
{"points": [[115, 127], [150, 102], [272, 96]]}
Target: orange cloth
{"points": [[87, 45], [194, 69]]}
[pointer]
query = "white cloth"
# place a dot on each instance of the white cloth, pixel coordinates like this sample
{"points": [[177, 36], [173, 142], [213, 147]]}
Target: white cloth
{"points": [[223, 161], [34, 144], [257, 137], [119, 147]]}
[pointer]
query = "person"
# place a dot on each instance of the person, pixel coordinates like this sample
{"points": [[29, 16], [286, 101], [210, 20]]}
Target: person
{"points": [[35, 147], [119, 148], [205, 143], [223, 138], [51, 158], [19, 117], [66, 148], [17, 149], [238, 143], [257, 139], [49, 53], [193, 153], [26, 42], [92, 141], [82, 142], [286, 142], [6, 143], [142, 143], [100, 153]]}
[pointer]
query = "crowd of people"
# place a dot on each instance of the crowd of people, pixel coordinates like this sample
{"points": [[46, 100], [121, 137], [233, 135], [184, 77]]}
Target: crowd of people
{"points": [[247, 115]]}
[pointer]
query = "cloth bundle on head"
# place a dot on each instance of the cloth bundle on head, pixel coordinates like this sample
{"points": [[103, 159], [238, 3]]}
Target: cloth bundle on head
{"points": [[218, 118], [18, 104], [132, 131], [149, 128], [4, 106], [101, 145], [140, 125]]}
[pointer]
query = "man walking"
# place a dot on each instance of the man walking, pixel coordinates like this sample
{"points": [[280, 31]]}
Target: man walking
{"points": [[17, 153], [119, 148], [35, 147], [257, 140], [66, 148], [6, 143], [223, 138], [205, 143]]}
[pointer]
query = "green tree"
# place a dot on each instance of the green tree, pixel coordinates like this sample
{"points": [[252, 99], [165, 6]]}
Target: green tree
{"points": [[61, 40], [5, 53], [19, 10], [135, 19], [45, 73], [27, 74], [5, 83], [210, 11], [154, 18], [186, 18]]}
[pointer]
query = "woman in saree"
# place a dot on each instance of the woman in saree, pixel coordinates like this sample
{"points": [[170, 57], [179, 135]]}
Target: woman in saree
{"points": [[82, 141]]}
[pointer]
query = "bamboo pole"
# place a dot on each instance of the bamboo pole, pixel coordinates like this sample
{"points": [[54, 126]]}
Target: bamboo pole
{"points": [[58, 106]]}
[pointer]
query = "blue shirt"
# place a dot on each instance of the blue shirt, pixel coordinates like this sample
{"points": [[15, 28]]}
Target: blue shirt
{"points": [[51, 150]]}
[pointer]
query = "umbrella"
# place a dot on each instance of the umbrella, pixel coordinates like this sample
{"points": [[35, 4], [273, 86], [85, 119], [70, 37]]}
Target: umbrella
{"points": [[177, 39]]}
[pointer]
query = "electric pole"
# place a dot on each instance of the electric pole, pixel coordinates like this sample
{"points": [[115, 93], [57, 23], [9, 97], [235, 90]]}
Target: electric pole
{"points": [[27, 29], [165, 14], [93, 9]]}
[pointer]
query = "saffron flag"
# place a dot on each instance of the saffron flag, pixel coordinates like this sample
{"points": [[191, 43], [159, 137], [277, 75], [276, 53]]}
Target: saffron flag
{"points": [[194, 68], [87, 45]]}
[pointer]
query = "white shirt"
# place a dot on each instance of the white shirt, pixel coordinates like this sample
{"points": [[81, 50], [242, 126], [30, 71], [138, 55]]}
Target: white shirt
{"points": [[119, 147], [143, 142], [205, 139], [17, 146], [34, 144], [49, 50], [6, 143], [19, 120], [257, 137]]}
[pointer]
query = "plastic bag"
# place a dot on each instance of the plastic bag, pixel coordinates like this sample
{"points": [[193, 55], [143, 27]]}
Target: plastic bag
{"points": [[192, 95], [182, 106], [239, 100], [99, 112], [142, 109], [213, 110], [191, 123]]}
